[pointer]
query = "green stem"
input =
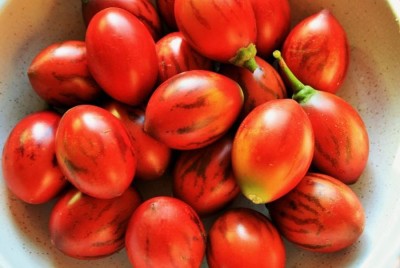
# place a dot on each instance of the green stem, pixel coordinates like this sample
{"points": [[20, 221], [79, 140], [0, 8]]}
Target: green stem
{"points": [[301, 92], [245, 57]]}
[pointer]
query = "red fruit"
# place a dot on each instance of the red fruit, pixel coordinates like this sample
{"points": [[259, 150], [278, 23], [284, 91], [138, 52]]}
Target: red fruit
{"points": [[59, 74], [193, 109], [29, 164], [125, 68], [142, 9], [221, 30], [165, 232], [341, 137], [273, 24], [85, 227], [272, 150], [175, 56], [95, 152], [262, 85], [320, 214], [204, 179], [242, 237], [316, 50], [153, 157]]}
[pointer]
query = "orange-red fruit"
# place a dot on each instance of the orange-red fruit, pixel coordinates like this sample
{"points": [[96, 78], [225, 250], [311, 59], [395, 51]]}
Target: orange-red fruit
{"points": [[85, 227], [204, 179], [316, 50], [193, 109], [242, 237], [320, 214], [165, 232], [272, 150]]}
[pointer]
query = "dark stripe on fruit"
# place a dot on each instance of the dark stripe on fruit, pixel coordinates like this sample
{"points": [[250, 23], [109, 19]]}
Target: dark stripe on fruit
{"points": [[300, 222], [198, 16], [327, 156], [72, 167], [199, 102]]}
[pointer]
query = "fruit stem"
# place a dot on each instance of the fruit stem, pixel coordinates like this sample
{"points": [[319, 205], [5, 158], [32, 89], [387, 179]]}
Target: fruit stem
{"points": [[301, 92], [245, 58]]}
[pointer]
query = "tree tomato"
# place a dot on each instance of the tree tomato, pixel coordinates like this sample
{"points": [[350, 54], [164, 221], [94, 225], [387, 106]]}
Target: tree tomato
{"points": [[59, 74], [204, 179], [224, 31], [341, 137], [95, 152], [153, 157], [125, 68], [175, 56], [29, 164], [272, 150], [193, 109], [85, 227], [142, 9], [316, 50], [262, 85], [320, 214], [165, 232], [273, 24], [242, 237]]}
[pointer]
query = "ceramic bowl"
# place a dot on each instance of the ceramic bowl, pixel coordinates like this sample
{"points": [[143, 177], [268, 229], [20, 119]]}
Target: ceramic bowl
{"points": [[372, 86]]}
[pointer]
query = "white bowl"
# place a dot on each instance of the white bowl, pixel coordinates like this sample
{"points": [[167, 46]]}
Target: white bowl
{"points": [[372, 86]]}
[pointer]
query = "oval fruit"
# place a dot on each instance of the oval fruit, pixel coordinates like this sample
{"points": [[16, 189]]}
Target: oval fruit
{"points": [[223, 31], [320, 214], [59, 74], [341, 137], [95, 152], [272, 150], [204, 179], [193, 109], [175, 56], [242, 237], [165, 232], [125, 68], [29, 164], [85, 227], [317, 51], [273, 24]]}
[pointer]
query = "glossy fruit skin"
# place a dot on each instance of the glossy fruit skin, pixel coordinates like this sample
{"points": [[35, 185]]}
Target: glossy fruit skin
{"points": [[142, 9], [59, 74], [193, 109], [175, 55], [95, 152], [85, 227], [203, 178], [320, 214], [166, 10], [217, 29], [242, 237], [273, 24], [165, 232], [153, 157], [341, 137], [262, 85], [29, 164], [272, 150], [316, 50], [125, 68]]}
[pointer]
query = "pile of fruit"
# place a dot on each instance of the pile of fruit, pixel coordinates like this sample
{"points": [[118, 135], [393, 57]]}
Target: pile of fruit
{"points": [[225, 99]]}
